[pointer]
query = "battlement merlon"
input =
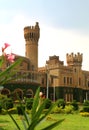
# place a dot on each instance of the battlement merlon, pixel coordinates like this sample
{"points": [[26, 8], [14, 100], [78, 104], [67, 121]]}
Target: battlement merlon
{"points": [[30, 31], [74, 58]]}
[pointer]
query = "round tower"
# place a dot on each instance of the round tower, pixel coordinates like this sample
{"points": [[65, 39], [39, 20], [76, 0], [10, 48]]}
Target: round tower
{"points": [[31, 35]]}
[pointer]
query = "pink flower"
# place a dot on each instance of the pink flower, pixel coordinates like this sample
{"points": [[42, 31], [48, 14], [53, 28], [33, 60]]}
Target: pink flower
{"points": [[5, 46], [10, 57]]}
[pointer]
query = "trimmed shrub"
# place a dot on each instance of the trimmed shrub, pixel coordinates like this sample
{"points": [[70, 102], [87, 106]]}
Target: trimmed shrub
{"points": [[68, 109], [48, 103], [58, 110], [85, 108], [86, 103], [75, 105], [7, 103], [61, 103], [0, 108], [20, 110], [29, 103], [85, 114]]}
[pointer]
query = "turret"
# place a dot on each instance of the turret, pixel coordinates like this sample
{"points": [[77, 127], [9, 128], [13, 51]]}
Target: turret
{"points": [[74, 59], [31, 35]]}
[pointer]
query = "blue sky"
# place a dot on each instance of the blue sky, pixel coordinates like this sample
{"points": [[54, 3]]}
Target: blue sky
{"points": [[64, 26]]}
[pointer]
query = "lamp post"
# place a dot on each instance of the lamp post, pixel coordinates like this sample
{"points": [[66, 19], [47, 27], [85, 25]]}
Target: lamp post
{"points": [[86, 89], [54, 84], [47, 84], [54, 89]]}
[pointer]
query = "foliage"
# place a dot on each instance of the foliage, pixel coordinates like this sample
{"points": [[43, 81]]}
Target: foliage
{"points": [[61, 103], [68, 109], [75, 105], [8, 74], [12, 110], [85, 114], [38, 105], [86, 103], [58, 110], [0, 108], [85, 106], [29, 103], [20, 109], [7, 103], [48, 103], [30, 123]]}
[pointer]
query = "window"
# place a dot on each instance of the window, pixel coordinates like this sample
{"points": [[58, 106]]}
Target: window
{"points": [[75, 70], [32, 67], [64, 80], [42, 80], [79, 81], [32, 76], [51, 80], [67, 80], [88, 83], [70, 80]]}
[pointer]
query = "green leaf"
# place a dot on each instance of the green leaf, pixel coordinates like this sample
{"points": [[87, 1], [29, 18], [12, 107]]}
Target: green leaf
{"points": [[24, 113], [50, 127], [14, 121], [7, 74], [1, 60], [35, 121], [11, 67], [48, 111], [35, 104]]}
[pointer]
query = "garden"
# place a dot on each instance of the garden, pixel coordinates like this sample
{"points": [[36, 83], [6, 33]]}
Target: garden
{"points": [[43, 114]]}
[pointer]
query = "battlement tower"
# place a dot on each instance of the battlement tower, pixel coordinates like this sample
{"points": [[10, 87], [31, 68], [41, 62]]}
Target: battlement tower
{"points": [[74, 59], [31, 35]]}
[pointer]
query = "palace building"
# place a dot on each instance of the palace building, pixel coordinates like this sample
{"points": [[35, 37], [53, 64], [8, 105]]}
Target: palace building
{"points": [[55, 79]]}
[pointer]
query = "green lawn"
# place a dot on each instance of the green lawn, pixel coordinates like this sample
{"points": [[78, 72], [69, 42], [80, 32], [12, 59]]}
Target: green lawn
{"points": [[71, 122]]}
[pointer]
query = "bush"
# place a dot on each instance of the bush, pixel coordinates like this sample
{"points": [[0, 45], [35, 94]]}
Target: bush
{"points": [[75, 105], [0, 108], [86, 103], [58, 110], [68, 109], [48, 103], [4, 112], [12, 110], [85, 108], [20, 110], [85, 114], [29, 103], [7, 103], [61, 103]]}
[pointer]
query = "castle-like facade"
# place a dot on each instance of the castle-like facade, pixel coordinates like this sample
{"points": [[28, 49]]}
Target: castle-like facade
{"points": [[55, 79]]}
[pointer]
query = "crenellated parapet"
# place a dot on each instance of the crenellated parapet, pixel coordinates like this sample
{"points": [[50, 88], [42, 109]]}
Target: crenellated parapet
{"points": [[74, 59], [32, 32]]}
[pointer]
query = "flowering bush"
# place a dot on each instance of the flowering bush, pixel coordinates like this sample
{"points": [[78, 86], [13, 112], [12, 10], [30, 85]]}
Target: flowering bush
{"points": [[85, 114], [37, 107], [4, 56], [6, 75]]}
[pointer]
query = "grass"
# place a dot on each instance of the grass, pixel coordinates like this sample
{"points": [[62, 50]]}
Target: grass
{"points": [[71, 122]]}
